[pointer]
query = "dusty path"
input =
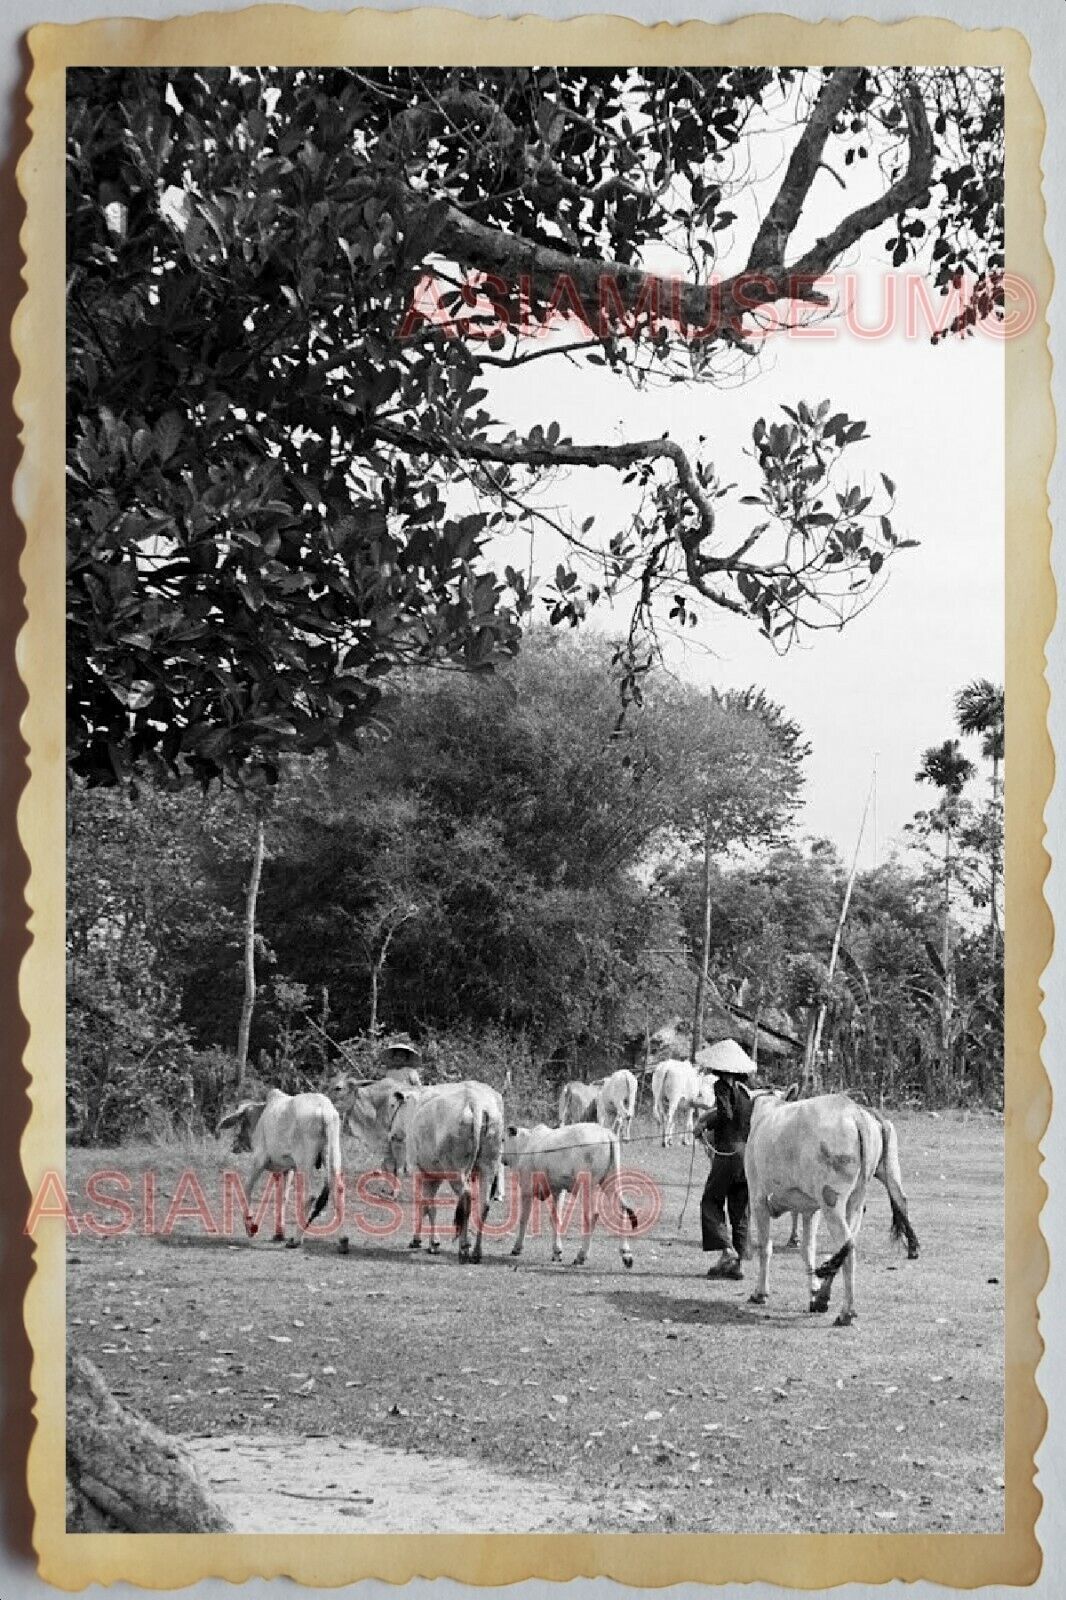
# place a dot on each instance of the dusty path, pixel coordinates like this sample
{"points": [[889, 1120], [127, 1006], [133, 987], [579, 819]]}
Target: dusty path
{"points": [[666, 1401], [320, 1485]]}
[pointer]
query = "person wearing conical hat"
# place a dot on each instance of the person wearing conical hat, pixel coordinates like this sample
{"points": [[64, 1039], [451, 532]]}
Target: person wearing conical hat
{"points": [[724, 1203]]}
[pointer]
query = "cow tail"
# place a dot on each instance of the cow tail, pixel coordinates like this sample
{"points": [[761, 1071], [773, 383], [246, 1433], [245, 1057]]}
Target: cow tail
{"points": [[463, 1204], [889, 1173], [829, 1269], [330, 1143]]}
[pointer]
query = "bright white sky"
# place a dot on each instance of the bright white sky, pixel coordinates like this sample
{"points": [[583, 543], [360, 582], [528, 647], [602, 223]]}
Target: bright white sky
{"points": [[885, 686]]}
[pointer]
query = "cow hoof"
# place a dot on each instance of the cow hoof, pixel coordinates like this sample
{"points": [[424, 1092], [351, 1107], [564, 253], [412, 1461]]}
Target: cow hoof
{"points": [[579, 1261], [464, 1252], [343, 1247], [912, 1252], [279, 1237], [818, 1304], [516, 1250], [292, 1244], [475, 1256], [434, 1248], [757, 1299], [627, 1262], [844, 1319], [416, 1244], [251, 1229], [557, 1255]]}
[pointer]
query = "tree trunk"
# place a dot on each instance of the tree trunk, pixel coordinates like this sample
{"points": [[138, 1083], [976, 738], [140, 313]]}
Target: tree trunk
{"points": [[123, 1473], [947, 1005], [248, 1001], [809, 1049], [705, 949], [375, 979]]}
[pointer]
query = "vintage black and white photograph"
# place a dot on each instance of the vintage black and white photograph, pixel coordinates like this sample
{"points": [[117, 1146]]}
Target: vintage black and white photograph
{"points": [[535, 747]]}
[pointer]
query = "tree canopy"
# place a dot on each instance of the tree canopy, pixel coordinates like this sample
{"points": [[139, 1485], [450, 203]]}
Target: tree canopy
{"points": [[287, 481]]}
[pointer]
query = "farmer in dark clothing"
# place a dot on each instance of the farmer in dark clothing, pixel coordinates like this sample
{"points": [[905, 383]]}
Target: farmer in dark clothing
{"points": [[724, 1206]]}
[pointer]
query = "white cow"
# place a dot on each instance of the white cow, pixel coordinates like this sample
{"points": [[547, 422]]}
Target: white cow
{"points": [[290, 1133], [344, 1088], [577, 1101], [816, 1157], [617, 1102], [682, 1091], [582, 1159], [658, 1073], [449, 1133]]}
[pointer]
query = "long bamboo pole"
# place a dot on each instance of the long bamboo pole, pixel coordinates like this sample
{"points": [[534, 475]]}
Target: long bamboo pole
{"points": [[815, 1040]]}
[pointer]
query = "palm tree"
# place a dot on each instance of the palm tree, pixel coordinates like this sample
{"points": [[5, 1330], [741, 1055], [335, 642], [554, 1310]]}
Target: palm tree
{"points": [[945, 766], [979, 708]]}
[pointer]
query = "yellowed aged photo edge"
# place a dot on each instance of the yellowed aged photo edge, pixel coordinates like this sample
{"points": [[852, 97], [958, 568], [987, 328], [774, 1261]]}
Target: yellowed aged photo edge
{"points": [[290, 36]]}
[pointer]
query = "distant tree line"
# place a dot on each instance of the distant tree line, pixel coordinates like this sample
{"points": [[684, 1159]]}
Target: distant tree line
{"points": [[524, 883]]}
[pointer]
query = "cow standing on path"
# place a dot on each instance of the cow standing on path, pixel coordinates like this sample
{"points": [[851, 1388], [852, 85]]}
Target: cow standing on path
{"points": [[682, 1090], [451, 1133], [549, 1162], [816, 1157], [616, 1102], [577, 1101], [290, 1133]]}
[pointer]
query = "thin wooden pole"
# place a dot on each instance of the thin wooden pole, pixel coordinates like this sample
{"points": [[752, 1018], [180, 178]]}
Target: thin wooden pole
{"points": [[816, 1036], [705, 948]]}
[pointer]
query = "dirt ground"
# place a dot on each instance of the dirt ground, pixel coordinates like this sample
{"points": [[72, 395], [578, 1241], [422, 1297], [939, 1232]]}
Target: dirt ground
{"points": [[384, 1389]]}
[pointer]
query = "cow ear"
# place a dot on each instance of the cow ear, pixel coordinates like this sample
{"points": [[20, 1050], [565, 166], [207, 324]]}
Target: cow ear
{"points": [[248, 1113], [792, 1092], [232, 1118]]}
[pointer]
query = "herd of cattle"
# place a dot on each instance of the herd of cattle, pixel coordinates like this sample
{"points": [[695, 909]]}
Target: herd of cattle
{"points": [[815, 1158]]}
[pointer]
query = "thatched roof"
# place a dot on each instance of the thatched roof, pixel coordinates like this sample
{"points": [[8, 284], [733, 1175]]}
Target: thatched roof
{"points": [[722, 1022]]}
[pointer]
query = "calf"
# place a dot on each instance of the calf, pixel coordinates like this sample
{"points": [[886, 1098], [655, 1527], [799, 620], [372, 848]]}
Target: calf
{"points": [[617, 1102], [578, 1102], [549, 1162], [449, 1133], [816, 1157], [290, 1133]]}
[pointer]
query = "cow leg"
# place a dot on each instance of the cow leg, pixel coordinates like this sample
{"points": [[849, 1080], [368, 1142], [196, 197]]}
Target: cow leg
{"points": [[590, 1215], [690, 1117], [794, 1233], [557, 1238], [810, 1237], [764, 1244], [426, 1205], [847, 1313], [523, 1220], [480, 1186], [463, 1204], [258, 1168], [840, 1237], [289, 1204]]}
